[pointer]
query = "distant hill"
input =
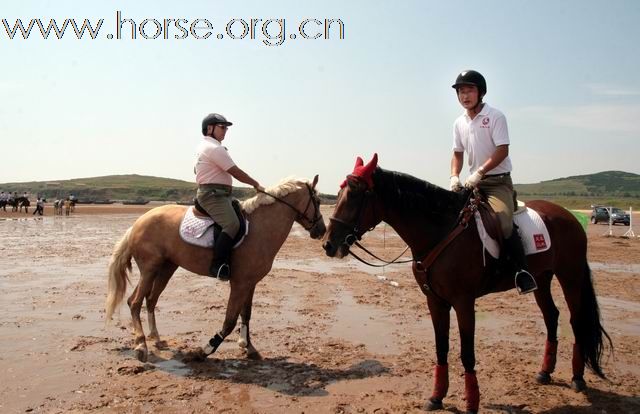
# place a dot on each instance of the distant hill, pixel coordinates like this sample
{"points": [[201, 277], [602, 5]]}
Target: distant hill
{"points": [[614, 188], [609, 187], [118, 188], [602, 184]]}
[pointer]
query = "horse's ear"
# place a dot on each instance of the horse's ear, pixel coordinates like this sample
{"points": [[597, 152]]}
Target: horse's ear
{"points": [[315, 181], [359, 163], [368, 169]]}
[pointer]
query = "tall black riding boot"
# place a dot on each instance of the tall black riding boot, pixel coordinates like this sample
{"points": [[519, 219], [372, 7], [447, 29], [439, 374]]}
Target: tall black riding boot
{"points": [[525, 282], [221, 251]]}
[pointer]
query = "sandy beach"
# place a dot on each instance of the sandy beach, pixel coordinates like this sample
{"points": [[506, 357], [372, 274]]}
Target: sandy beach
{"points": [[335, 336]]}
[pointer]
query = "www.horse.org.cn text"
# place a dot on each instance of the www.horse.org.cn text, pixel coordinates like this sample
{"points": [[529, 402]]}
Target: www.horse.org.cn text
{"points": [[269, 31]]}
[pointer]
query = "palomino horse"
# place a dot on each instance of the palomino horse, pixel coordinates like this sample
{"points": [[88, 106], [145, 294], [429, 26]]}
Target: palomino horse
{"points": [[423, 215], [57, 207], [153, 241]]}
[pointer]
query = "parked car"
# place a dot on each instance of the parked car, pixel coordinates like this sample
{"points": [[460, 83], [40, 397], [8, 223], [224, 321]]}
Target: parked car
{"points": [[600, 214]]}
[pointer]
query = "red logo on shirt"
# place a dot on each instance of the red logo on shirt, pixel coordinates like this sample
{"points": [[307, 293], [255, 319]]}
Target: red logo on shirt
{"points": [[485, 121], [540, 242]]}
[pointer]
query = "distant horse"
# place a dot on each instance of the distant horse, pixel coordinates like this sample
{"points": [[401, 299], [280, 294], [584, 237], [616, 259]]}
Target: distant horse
{"points": [[3, 205], [13, 202], [17, 204], [57, 207], [424, 215], [153, 241], [23, 202]]}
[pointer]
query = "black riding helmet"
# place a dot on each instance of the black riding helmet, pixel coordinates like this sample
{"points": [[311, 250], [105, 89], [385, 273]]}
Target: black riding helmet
{"points": [[473, 78], [213, 119]]}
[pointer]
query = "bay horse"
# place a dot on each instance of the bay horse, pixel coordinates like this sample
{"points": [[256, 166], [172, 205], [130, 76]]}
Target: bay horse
{"points": [[423, 215], [23, 202], [157, 248]]}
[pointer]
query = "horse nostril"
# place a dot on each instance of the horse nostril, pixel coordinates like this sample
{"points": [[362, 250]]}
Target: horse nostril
{"points": [[327, 246]]}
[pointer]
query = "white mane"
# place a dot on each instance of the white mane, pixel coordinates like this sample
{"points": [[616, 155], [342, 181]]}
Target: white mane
{"points": [[286, 186]]}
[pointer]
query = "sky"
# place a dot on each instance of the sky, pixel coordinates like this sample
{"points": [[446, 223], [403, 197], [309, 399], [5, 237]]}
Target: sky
{"points": [[565, 74]]}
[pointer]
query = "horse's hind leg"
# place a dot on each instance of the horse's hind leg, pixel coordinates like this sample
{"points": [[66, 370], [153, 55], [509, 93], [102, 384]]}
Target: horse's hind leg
{"points": [[550, 314], [135, 304], [245, 338], [237, 300], [159, 284], [587, 328]]}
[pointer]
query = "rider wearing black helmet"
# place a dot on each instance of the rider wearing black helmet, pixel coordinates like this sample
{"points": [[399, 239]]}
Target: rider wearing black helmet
{"points": [[215, 171], [482, 132]]}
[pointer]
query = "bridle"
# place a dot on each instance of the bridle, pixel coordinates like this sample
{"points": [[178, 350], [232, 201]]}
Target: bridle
{"points": [[302, 215], [356, 233]]}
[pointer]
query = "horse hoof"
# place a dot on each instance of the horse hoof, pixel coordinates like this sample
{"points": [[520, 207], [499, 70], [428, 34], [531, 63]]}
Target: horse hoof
{"points": [[161, 344], [242, 343], [433, 405], [543, 378], [578, 385], [141, 354]]}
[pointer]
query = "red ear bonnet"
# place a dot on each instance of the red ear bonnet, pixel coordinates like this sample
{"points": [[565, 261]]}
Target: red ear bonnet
{"points": [[365, 172]]}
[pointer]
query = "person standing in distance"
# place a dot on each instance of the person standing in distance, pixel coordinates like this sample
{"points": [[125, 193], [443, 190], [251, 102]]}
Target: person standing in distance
{"points": [[215, 171], [481, 131]]}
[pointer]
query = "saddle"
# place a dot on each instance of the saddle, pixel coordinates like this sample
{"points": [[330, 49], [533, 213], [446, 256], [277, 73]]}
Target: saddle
{"points": [[531, 228], [199, 229], [490, 221]]}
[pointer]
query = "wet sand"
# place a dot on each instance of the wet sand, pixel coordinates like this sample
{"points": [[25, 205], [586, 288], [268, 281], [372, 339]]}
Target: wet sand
{"points": [[335, 335]]}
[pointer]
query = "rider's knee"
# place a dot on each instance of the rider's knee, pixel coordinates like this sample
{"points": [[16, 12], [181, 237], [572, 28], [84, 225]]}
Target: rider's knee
{"points": [[232, 227]]}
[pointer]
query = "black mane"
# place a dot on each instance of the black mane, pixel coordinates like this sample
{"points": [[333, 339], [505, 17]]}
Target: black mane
{"points": [[415, 196]]}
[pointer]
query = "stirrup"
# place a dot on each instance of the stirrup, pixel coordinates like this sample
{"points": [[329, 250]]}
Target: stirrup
{"points": [[222, 272], [527, 282]]}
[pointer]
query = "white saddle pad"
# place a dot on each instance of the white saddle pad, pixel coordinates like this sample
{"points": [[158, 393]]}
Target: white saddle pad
{"points": [[199, 230], [532, 230]]}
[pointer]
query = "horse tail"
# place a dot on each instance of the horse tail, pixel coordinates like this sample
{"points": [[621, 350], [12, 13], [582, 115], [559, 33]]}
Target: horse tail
{"points": [[119, 266], [590, 335]]}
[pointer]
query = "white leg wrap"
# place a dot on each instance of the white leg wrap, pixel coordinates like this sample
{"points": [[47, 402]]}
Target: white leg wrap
{"points": [[244, 333]]}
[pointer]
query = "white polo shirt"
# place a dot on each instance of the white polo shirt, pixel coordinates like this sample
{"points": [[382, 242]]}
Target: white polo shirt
{"points": [[212, 163], [480, 136]]}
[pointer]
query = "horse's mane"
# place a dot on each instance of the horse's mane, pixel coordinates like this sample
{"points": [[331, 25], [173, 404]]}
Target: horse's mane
{"points": [[286, 186], [414, 195]]}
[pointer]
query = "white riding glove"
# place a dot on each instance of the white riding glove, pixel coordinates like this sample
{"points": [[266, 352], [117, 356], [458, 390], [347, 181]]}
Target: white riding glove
{"points": [[473, 180], [455, 184]]}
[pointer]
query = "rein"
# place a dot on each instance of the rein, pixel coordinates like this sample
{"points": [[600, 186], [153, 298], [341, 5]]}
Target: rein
{"points": [[385, 262], [300, 214]]}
